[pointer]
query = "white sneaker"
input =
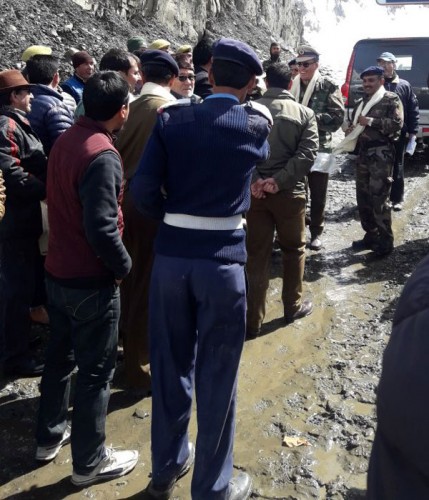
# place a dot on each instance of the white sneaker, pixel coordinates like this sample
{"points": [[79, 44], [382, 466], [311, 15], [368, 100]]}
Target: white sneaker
{"points": [[116, 463], [47, 453]]}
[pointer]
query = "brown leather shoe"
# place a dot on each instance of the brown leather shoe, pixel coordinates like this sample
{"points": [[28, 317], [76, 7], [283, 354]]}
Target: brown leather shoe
{"points": [[305, 309]]}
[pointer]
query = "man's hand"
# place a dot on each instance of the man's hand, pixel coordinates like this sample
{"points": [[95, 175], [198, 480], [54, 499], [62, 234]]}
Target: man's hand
{"points": [[262, 187], [349, 130], [271, 186], [257, 189], [364, 121], [118, 282]]}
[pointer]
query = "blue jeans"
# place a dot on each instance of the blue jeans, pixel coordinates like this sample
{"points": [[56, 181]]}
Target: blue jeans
{"points": [[84, 332], [197, 310]]}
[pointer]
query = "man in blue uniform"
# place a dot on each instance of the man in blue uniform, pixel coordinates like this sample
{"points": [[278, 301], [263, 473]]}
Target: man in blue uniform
{"points": [[195, 174]]}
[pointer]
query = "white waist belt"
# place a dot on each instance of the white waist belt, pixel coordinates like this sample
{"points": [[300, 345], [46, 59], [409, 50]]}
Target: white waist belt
{"points": [[208, 223]]}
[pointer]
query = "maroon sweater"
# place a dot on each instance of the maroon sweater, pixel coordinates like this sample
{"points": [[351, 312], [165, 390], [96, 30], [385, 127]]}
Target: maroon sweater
{"points": [[84, 190]]}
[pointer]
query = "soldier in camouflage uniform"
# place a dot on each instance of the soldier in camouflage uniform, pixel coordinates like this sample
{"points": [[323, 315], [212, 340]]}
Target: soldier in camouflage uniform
{"points": [[376, 150], [322, 95]]}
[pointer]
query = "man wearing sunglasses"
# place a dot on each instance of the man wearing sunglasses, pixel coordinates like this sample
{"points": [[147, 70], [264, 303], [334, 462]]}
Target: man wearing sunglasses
{"points": [[322, 95], [183, 86]]}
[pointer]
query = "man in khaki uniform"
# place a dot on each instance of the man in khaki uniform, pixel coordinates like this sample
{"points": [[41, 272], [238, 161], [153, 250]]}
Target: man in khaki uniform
{"points": [[278, 201], [159, 71]]}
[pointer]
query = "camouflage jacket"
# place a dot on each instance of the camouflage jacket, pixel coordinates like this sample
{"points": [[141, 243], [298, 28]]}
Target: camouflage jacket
{"points": [[388, 120], [327, 104]]}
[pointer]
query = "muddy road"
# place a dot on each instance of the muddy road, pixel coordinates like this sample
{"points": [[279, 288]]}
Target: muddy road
{"points": [[315, 379]]}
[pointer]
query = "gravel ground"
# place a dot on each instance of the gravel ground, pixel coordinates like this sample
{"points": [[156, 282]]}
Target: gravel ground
{"points": [[315, 379]]}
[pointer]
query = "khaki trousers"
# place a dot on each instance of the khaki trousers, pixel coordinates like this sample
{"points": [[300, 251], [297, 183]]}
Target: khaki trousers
{"points": [[284, 212], [139, 236]]}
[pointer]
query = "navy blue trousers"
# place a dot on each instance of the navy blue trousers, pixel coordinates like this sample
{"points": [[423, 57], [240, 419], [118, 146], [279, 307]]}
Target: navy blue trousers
{"points": [[197, 311]]}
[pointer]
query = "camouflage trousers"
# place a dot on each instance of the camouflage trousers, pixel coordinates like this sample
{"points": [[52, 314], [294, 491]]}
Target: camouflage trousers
{"points": [[373, 185]]}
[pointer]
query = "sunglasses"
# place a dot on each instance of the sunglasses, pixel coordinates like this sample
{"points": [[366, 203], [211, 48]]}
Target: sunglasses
{"points": [[306, 64], [183, 78]]}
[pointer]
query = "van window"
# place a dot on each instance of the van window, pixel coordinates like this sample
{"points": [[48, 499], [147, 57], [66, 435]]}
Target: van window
{"points": [[412, 56]]}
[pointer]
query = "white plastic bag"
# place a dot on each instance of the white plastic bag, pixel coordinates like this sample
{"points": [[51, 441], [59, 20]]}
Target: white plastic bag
{"points": [[326, 164]]}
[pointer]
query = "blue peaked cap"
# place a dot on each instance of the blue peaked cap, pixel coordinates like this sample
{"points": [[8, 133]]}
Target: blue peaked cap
{"points": [[228, 49], [372, 70]]}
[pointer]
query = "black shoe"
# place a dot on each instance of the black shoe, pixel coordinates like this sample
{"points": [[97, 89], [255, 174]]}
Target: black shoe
{"points": [[240, 487], [252, 333], [366, 243], [397, 207], [28, 368], [164, 492], [382, 252], [315, 243], [361, 245], [305, 309]]}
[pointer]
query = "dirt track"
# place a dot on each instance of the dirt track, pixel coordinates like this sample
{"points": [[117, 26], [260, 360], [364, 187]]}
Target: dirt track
{"points": [[315, 378]]}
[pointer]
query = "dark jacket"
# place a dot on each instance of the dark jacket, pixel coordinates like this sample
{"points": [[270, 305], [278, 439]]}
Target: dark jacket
{"points": [[409, 101], [221, 141], [23, 164], [203, 87], [2, 196], [49, 116], [84, 188], [399, 455]]}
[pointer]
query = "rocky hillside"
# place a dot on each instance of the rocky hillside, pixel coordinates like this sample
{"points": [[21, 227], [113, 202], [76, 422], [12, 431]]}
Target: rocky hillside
{"points": [[99, 25]]}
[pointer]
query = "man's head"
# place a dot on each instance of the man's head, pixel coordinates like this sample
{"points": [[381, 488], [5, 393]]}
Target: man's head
{"points": [[235, 67], [123, 62], [83, 64], [15, 91], [387, 61], [184, 53], [43, 69], [307, 61], [293, 66], [184, 84], [159, 67], [372, 79], [34, 50], [136, 42], [105, 98], [203, 52], [160, 44], [275, 50], [278, 75]]}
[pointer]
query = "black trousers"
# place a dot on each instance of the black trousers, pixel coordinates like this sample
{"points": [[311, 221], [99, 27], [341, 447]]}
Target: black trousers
{"points": [[17, 285]]}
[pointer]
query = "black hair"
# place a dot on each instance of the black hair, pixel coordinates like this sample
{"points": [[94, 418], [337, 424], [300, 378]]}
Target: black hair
{"points": [[116, 60], [104, 95], [202, 52], [42, 68], [274, 44], [157, 73], [279, 75], [230, 74]]}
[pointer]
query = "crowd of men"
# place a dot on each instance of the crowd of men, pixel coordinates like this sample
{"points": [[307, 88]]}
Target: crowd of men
{"points": [[143, 176]]}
